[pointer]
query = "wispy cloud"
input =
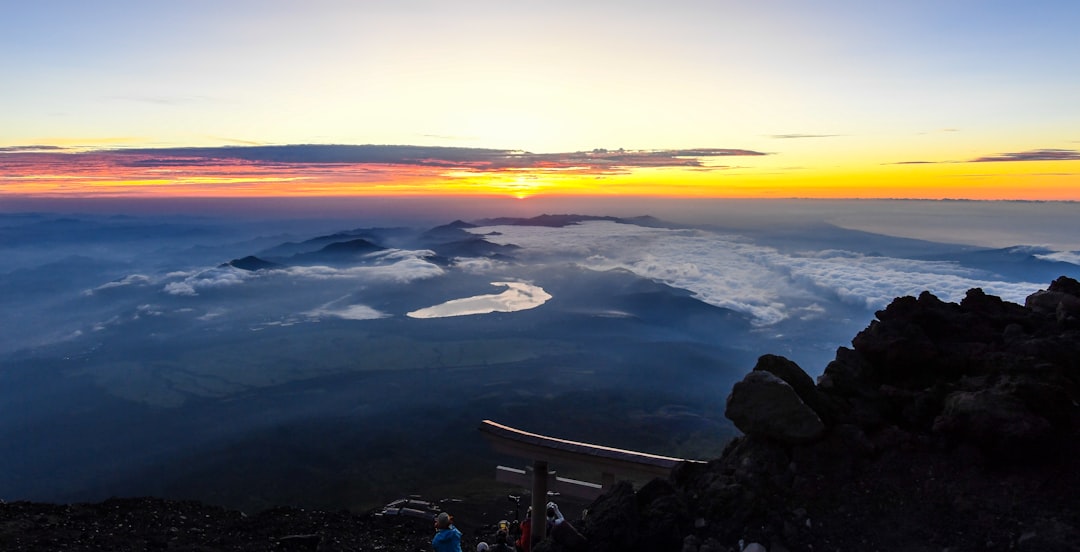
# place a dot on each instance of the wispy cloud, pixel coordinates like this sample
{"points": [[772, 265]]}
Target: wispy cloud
{"points": [[798, 136], [1047, 154], [30, 149], [435, 156], [339, 308], [237, 141], [325, 169], [133, 279], [1033, 155]]}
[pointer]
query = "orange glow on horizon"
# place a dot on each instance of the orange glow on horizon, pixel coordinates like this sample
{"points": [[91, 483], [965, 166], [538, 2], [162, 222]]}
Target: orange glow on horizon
{"points": [[101, 175]]}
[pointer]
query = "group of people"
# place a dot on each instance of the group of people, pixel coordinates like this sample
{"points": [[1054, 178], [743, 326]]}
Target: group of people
{"points": [[448, 538]]}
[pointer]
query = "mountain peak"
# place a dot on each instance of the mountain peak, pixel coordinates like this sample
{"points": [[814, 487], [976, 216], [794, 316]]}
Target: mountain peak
{"points": [[251, 263]]}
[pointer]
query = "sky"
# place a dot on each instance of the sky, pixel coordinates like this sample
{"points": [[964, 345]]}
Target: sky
{"points": [[725, 99]]}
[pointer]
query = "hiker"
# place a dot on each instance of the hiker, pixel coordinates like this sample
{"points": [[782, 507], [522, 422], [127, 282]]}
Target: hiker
{"points": [[502, 541], [524, 542], [501, 544], [557, 527], [561, 530], [447, 537]]}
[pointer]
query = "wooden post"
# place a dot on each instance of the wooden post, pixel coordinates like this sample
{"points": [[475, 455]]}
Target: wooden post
{"points": [[538, 525]]}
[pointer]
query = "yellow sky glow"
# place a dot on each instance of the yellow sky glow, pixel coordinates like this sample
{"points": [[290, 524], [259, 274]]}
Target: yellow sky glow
{"points": [[1037, 180]]}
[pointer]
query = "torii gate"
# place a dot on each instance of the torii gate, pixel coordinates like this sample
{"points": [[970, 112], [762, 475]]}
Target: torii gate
{"points": [[542, 450]]}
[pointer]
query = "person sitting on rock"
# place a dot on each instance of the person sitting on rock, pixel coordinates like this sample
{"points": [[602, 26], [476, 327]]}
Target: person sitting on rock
{"points": [[447, 537]]}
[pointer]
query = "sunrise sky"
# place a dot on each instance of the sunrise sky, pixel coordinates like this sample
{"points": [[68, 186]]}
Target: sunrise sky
{"points": [[863, 99]]}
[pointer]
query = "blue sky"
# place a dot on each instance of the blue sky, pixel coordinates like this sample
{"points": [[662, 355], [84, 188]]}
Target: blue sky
{"points": [[836, 88]]}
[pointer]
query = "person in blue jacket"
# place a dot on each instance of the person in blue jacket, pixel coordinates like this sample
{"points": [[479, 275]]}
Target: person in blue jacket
{"points": [[447, 537]]}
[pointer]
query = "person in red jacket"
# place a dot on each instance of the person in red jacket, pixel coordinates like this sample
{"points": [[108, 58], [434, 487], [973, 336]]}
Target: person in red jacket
{"points": [[524, 540]]}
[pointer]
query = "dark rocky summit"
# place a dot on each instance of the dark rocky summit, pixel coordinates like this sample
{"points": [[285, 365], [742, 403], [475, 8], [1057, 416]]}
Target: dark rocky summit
{"points": [[945, 427]]}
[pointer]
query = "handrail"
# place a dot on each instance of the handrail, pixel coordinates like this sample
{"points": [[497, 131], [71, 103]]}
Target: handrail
{"points": [[582, 451], [542, 449]]}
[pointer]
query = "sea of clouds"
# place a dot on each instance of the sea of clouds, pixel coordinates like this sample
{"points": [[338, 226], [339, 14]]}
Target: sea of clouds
{"points": [[733, 272]]}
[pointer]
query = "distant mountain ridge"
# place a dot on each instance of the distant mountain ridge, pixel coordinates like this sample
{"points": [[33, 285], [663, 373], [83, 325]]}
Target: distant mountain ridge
{"points": [[1018, 262]]}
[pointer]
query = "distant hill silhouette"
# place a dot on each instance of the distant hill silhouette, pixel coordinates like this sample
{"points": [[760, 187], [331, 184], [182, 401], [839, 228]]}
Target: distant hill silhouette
{"points": [[552, 221], [337, 252], [453, 231], [475, 246], [1019, 262], [374, 235], [252, 263]]}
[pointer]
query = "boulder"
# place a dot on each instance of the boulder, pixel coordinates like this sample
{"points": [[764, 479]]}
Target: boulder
{"points": [[763, 405], [803, 384], [788, 371], [1061, 300]]}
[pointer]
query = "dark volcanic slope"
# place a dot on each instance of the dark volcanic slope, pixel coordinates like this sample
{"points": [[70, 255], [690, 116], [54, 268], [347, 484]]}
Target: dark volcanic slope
{"points": [[153, 524]]}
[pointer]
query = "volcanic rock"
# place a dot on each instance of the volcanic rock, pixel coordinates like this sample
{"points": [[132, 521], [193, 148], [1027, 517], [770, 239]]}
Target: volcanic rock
{"points": [[944, 427], [764, 405]]}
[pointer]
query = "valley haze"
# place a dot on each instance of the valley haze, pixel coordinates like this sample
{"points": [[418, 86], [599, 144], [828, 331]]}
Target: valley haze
{"points": [[258, 360]]}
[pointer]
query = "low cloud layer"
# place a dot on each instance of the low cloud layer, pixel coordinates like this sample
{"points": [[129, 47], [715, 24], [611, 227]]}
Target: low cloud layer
{"points": [[799, 136], [207, 279], [1071, 257], [336, 309], [130, 280], [399, 266], [732, 272]]}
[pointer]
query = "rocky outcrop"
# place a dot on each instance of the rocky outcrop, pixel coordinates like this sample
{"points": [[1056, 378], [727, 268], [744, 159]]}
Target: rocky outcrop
{"points": [[1062, 300], [766, 405], [944, 427]]}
